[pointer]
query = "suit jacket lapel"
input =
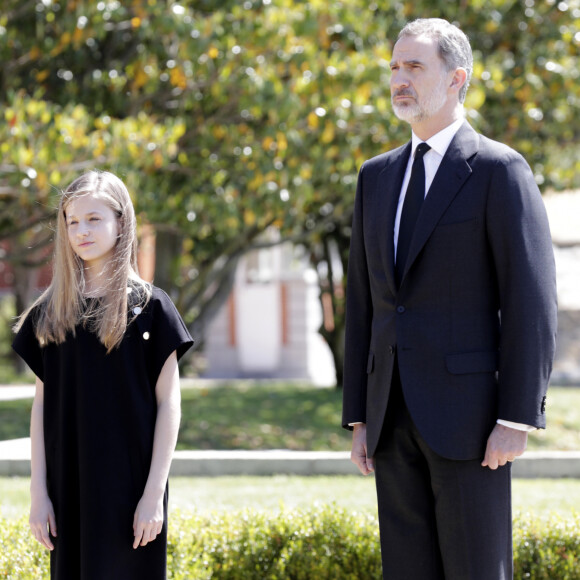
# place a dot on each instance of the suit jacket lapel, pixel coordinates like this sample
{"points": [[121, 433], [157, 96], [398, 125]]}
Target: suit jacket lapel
{"points": [[450, 177], [389, 181]]}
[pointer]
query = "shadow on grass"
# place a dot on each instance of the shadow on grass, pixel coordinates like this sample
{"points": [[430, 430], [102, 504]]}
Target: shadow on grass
{"points": [[260, 416], [237, 416], [15, 419], [250, 416]]}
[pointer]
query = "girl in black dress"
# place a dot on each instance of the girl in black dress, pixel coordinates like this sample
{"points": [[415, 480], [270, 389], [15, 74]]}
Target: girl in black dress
{"points": [[104, 346]]}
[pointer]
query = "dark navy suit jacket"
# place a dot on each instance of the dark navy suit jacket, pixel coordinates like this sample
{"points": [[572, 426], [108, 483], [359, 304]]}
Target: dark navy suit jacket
{"points": [[473, 323]]}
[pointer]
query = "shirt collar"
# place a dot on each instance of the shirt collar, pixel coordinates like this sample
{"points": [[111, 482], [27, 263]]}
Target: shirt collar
{"points": [[440, 141]]}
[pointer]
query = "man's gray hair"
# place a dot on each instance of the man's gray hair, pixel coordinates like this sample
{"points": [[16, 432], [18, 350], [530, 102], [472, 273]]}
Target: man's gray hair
{"points": [[453, 44]]}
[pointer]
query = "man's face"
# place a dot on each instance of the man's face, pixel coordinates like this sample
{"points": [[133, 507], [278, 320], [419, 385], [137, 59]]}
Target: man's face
{"points": [[419, 80]]}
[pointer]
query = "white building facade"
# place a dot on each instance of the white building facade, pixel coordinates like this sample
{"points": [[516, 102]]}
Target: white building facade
{"points": [[269, 326]]}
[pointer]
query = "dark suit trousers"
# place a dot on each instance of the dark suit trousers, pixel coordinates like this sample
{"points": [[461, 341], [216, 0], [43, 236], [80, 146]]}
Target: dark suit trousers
{"points": [[439, 518]]}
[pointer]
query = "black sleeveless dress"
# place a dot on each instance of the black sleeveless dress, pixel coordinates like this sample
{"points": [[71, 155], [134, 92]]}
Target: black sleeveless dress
{"points": [[99, 421]]}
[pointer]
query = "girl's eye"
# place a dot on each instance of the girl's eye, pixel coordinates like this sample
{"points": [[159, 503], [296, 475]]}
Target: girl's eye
{"points": [[94, 219]]}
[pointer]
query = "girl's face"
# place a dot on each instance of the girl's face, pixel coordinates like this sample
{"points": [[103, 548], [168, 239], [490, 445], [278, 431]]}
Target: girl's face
{"points": [[92, 229]]}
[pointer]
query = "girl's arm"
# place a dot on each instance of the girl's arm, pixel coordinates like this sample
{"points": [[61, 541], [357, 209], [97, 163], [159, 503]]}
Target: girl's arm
{"points": [[148, 520], [41, 511]]}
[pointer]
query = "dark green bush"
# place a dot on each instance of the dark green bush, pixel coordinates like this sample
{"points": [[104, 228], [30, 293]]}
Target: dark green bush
{"points": [[321, 543]]}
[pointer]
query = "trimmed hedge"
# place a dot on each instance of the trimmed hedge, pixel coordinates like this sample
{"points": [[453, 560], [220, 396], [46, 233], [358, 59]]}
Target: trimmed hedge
{"points": [[322, 543], [547, 550]]}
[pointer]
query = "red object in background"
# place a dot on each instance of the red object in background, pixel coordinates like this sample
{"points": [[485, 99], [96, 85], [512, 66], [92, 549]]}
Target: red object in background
{"points": [[6, 273], [6, 276], [44, 274]]}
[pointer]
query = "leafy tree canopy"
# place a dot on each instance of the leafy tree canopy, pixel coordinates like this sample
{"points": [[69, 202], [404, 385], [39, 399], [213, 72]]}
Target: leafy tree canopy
{"points": [[227, 117]]}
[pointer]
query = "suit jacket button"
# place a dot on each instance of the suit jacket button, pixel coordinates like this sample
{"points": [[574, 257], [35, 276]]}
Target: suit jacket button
{"points": [[392, 349], [400, 309]]}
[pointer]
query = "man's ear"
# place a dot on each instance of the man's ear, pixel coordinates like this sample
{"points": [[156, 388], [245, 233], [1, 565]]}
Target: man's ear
{"points": [[458, 79]]}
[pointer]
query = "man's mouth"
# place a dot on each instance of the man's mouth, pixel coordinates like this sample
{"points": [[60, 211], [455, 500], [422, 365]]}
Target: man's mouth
{"points": [[403, 96]]}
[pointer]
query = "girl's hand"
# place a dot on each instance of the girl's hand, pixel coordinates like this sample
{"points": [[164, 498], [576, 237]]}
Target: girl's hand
{"points": [[148, 520], [42, 520]]}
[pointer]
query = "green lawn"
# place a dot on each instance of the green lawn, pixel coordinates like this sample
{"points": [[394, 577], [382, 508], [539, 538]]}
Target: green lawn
{"points": [[539, 497], [262, 416], [8, 376], [15, 419], [248, 415]]}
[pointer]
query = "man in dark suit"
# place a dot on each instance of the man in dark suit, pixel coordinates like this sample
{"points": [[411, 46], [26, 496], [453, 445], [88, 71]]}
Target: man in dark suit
{"points": [[451, 318]]}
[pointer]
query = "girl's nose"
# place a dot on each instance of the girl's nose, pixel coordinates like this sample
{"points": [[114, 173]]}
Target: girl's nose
{"points": [[82, 231]]}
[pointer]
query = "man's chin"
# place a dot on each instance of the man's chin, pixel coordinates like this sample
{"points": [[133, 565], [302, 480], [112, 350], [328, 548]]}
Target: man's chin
{"points": [[407, 113]]}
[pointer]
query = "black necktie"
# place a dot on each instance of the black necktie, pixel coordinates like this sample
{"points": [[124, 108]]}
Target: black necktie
{"points": [[411, 207]]}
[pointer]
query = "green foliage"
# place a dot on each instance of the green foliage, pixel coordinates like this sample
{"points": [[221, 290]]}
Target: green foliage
{"points": [[319, 543], [547, 551], [8, 374], [226, 118], [322, 543], [6, 322], [21, 557]]}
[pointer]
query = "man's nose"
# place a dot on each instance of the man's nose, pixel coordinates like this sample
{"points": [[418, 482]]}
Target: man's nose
{"points": [[398, 80]]}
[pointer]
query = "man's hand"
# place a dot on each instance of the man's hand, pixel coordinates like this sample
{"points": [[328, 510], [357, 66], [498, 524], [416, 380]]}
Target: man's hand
{"points": [[358, 454], [503, 445]]}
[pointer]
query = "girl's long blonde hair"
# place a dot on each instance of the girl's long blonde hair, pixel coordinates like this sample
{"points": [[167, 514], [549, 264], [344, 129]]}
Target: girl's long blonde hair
{"points": [[63, 305]]}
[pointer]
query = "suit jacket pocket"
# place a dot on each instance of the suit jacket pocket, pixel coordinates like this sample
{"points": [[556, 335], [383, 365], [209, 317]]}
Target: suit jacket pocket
{"points": [[370, 363], [472, 362]]}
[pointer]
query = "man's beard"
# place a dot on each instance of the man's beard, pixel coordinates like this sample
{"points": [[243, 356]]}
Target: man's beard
{"points": [[420, 110]]}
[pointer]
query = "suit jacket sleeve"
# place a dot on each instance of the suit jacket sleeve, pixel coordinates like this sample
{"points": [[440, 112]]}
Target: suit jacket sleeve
{"points": [[359, 314], [521, 246]]}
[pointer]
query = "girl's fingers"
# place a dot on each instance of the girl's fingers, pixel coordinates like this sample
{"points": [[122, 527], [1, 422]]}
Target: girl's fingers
{"points": [[138, 537], [40, 533], [52, 523], [146, 533], [46, 541]]}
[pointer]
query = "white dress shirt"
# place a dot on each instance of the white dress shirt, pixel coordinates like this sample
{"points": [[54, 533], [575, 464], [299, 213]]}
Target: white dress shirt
{"points": [[432, 159], [439, 144]]}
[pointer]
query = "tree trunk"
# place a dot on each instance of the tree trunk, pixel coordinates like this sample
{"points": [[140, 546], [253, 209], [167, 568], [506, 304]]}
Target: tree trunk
{"points": [[329, 257], [168, 249], [24, 290]]}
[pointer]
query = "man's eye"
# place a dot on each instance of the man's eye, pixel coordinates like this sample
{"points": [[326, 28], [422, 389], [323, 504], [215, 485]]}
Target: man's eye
{"points": [[94, 219]]}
